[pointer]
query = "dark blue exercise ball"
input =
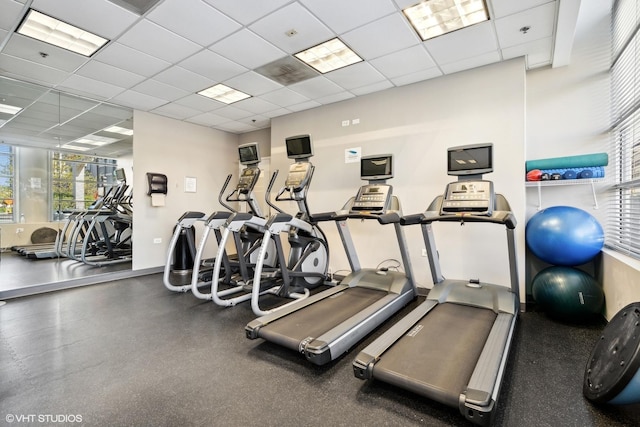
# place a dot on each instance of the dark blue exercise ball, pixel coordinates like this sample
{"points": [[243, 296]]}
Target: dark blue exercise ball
{"points": [[567, 293], [564, 235]]}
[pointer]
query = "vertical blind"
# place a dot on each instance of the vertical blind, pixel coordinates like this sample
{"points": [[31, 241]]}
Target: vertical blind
{"points": [[623, 214]]}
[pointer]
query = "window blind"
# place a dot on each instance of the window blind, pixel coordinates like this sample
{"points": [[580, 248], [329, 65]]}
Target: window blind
{"points": [[623, 207]]}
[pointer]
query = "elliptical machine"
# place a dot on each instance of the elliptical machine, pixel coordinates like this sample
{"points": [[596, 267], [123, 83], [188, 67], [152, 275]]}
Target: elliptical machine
{"points": [[186, 225], [308, 261], [235, 270]]}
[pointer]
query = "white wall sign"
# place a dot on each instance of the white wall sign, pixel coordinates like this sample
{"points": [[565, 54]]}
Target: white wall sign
{"points": [[352, 155], [190, 184]]}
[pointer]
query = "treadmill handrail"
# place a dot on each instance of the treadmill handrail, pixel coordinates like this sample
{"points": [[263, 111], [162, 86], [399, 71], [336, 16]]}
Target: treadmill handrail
{"points": [[505, 218]]}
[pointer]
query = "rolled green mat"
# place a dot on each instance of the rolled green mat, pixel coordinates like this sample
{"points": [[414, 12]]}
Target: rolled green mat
{"points": [[581, 161]]}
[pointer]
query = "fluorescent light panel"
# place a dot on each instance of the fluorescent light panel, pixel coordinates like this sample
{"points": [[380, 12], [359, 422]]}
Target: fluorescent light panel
{"points": [[432, 18], [95, 140], [328, 56], [9, 109], [50, 30], [224, 94], [120, 130]]}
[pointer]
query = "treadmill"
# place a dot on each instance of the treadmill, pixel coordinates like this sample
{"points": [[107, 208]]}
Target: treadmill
{"points": [[453, 347], [324, 326]]}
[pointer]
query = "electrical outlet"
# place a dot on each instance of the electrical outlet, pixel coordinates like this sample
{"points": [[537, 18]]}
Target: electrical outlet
{"points": [[157, 240], [424, 252], [345, 123], [19, 230]]}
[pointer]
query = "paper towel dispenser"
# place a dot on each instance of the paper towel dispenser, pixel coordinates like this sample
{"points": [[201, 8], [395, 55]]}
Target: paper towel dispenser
{"points": [[157, 183]]}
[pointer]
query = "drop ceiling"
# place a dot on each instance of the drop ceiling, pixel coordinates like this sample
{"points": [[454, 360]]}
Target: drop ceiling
{"points": [[157, 61]]}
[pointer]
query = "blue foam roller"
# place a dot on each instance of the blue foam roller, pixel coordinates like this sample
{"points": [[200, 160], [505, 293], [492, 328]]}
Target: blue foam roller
{"points": [[581, 161]]}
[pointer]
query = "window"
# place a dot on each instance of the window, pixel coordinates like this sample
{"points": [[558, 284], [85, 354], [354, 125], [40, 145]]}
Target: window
{"points": [[623, 217], [78, 181], [7, 179]]}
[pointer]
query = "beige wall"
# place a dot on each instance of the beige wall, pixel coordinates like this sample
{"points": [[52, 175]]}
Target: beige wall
{"points": [[178, 150], [416, 123]]}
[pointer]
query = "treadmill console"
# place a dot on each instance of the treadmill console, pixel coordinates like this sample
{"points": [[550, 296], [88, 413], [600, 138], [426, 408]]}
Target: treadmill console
{"points": [[299, 175], [374, 198], [248, 180], [473, 197]]}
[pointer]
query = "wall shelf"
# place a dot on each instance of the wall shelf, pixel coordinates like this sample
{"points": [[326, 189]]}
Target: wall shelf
{"points": [[565, 182]]}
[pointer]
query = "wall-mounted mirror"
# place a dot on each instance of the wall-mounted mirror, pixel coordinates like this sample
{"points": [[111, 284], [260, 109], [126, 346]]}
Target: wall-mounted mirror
{"points": [[59, 154]]}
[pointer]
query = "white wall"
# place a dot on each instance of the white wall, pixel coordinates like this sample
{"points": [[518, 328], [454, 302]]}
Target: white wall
{"points": [[417, 123], [178, 150]]}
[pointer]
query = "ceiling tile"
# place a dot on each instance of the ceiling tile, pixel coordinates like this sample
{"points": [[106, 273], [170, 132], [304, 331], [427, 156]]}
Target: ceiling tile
{"points": [[207, 119], [89, 87], [98, 16], [540, 21], [138, 100], [381, 37], [183, 79], [129, 59], [276, 113], [352, 13], [199, 102], [458, 45], [398, 63], [108, 73], [159, 42], [304, 106], [417, 76], [309, 30], [468, 63], [160, 90], [11, 14], [503, 8], [316, 87], [284, 97], [356, 75], [176, 111], [247, 49], [538, 53], [375, 87], [233, 113], [336, 97], [193, 20], [26, 70], [212, 66], [27, 48], [247, 11], [252, 83], [236, 127], [256, 105]]}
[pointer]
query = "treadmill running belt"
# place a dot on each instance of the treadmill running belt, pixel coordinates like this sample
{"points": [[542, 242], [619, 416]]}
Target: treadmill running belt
{"points": [[316, 319], [436, 357]]}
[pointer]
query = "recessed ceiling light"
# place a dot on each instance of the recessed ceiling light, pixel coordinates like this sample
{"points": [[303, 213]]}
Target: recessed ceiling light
{"points": [[328, 56], [9, 109], [432, 18], [53, 31], [224, 94], [120, 130], [74, 147]]}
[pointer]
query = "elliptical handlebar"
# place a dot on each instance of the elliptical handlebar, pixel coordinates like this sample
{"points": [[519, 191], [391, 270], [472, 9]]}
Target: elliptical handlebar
{"points": [[267, 193], [221, 194]]}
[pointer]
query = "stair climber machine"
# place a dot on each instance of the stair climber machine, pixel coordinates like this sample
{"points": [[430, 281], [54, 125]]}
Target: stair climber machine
{"points": [[453, 348], [185, 226], [327, 324], [235, 271], [308, 261]]}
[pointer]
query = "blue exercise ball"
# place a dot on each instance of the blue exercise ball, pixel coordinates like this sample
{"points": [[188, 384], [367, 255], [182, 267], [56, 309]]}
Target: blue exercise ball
{"points": [[567, 293], [564, 235]]}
